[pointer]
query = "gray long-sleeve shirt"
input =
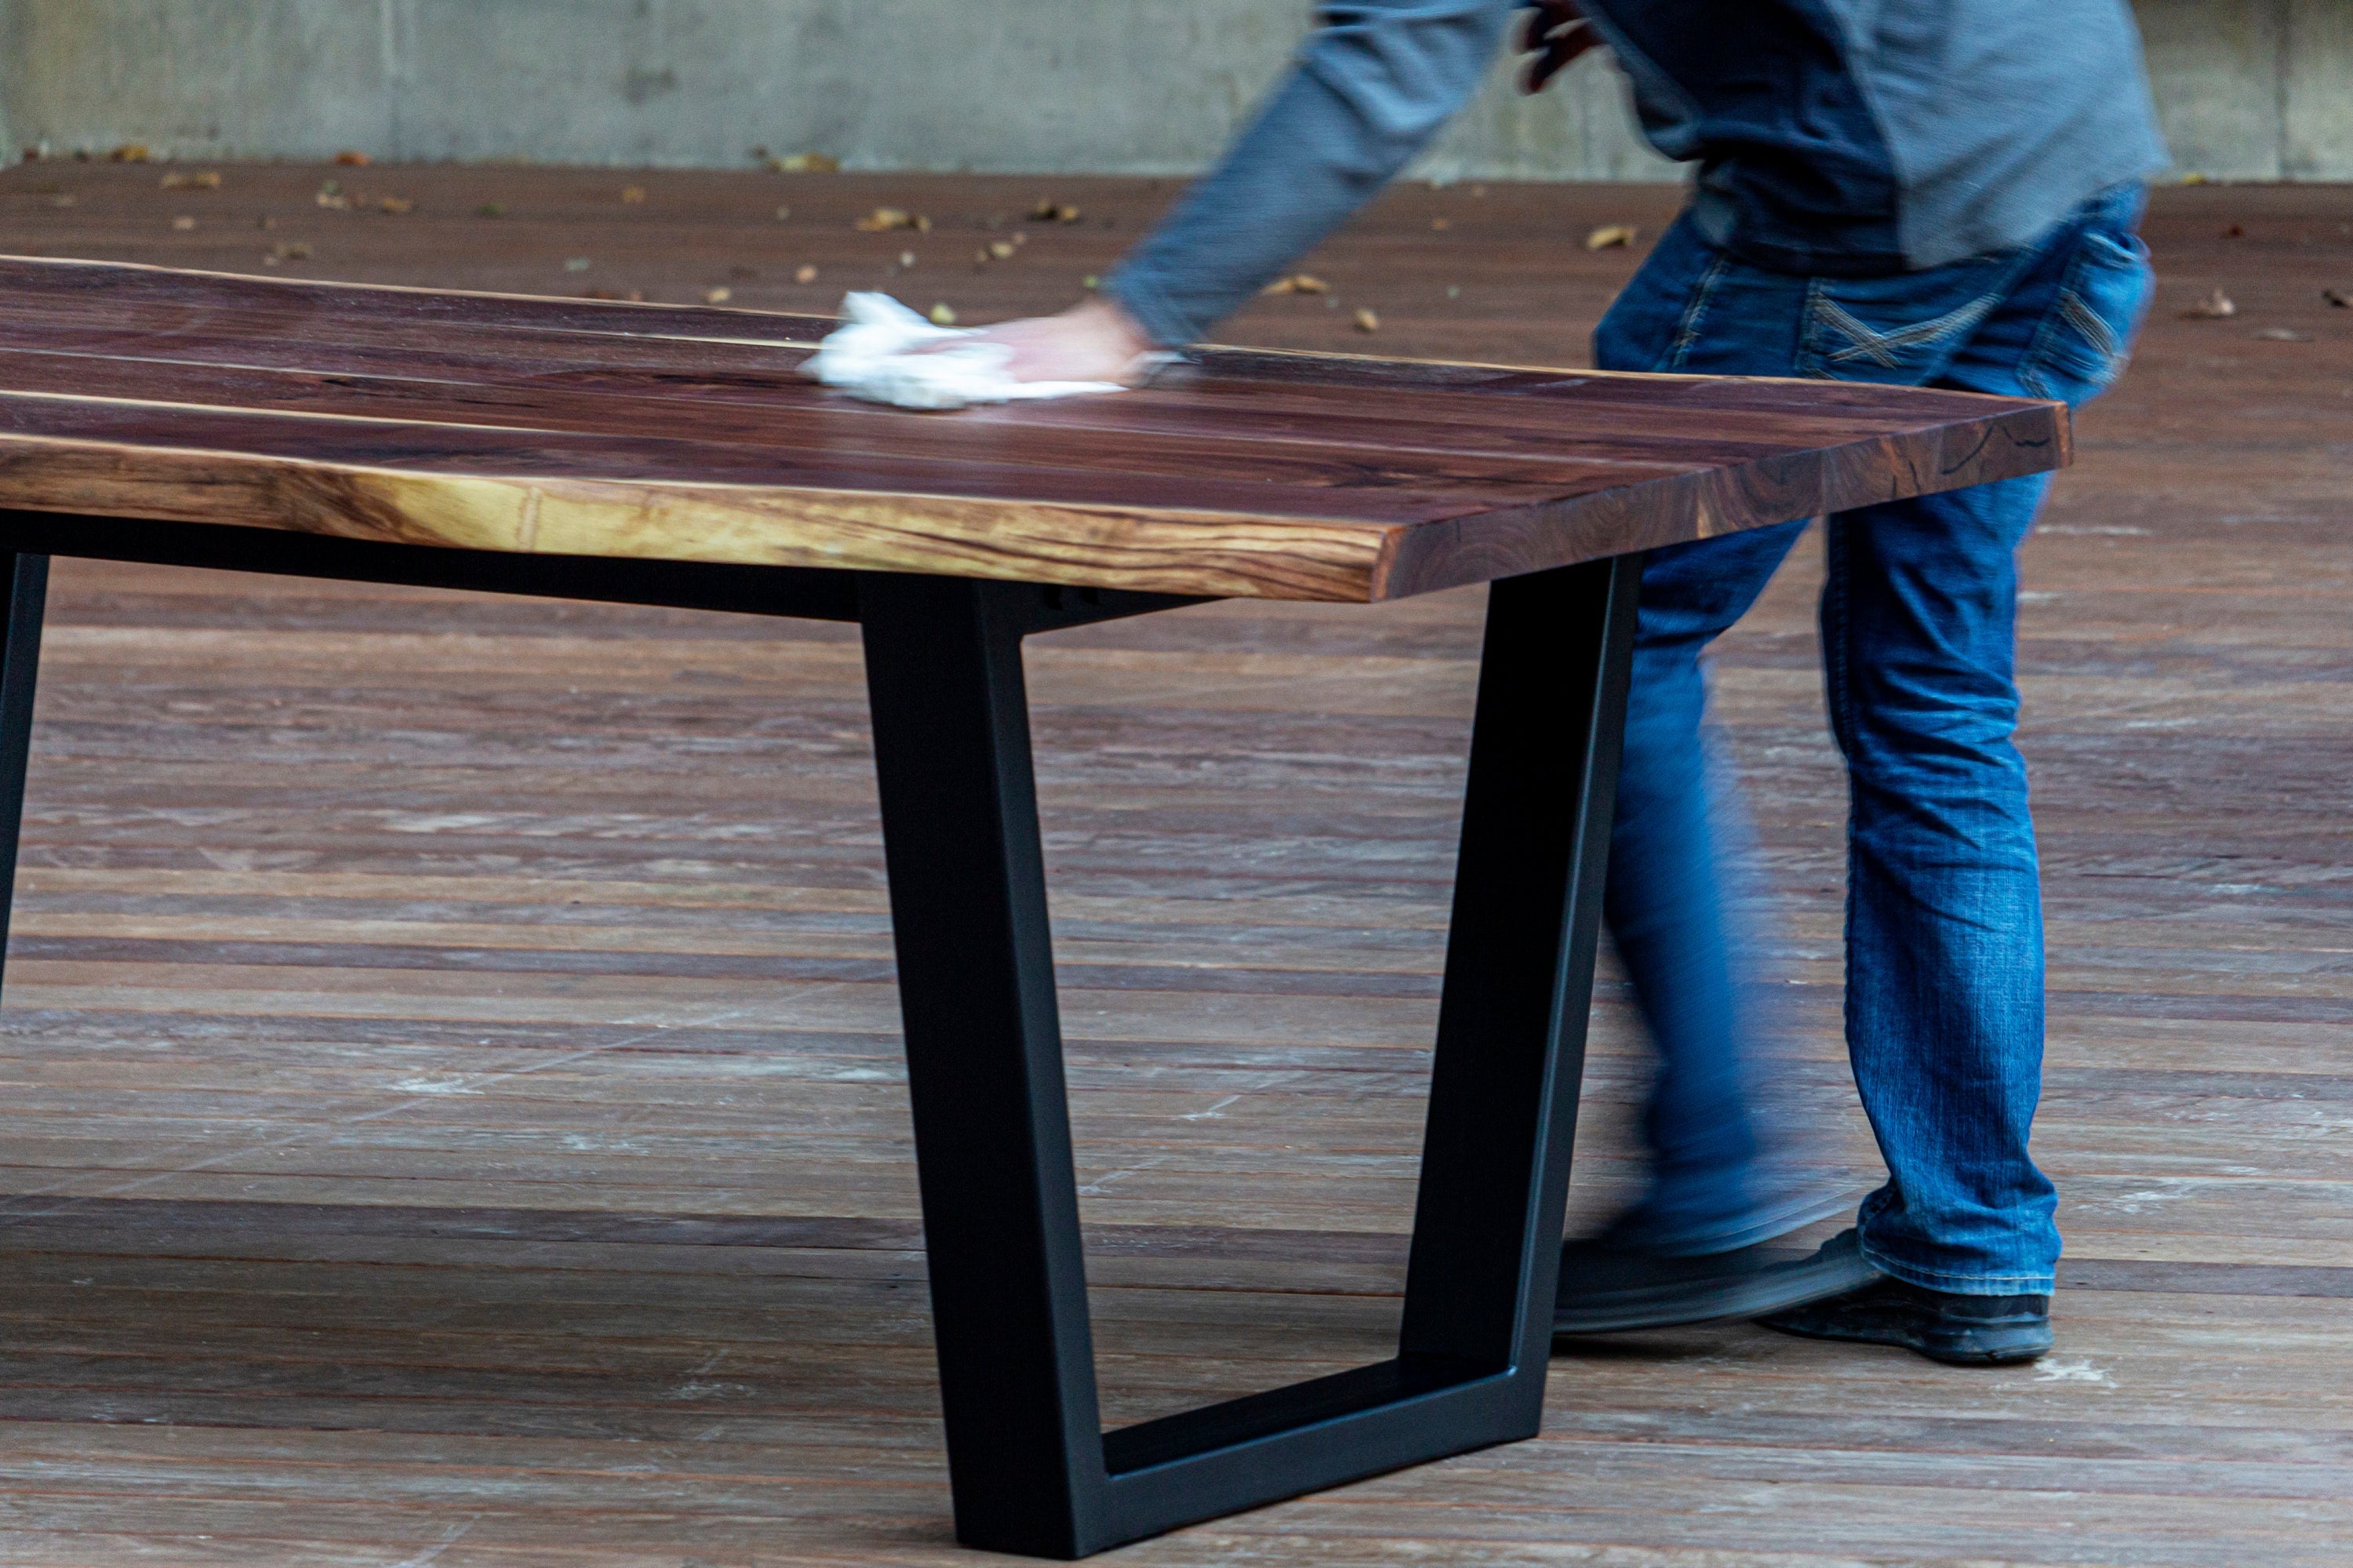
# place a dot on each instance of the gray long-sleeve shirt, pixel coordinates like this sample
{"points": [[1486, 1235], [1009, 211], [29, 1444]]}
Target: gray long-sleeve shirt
{"points": [[1832, 137]]}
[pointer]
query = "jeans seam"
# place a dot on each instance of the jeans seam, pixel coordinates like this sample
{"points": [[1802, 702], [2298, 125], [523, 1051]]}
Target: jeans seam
{"points": [[1835, 701], [1694, 315], [1838, 669]]}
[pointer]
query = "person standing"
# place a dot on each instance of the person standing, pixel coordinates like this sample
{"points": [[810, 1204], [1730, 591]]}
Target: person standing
{"points": [[1909, 192]]}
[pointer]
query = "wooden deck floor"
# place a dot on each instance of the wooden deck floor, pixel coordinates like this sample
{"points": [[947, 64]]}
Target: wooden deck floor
{"points": [[449, 1107]]}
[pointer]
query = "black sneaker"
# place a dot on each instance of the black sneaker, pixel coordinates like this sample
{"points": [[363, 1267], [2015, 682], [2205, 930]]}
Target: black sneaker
{"points": [[1607, 1287], [1959, 1330]]}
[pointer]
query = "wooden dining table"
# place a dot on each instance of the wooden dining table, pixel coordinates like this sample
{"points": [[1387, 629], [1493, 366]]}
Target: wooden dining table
{"points": [[673, 456]]}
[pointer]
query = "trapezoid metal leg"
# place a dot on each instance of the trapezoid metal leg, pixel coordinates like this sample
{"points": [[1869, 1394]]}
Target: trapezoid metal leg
{"points": [[1031, 1470], [1537, 818], [985, 1062], [25, 581]]}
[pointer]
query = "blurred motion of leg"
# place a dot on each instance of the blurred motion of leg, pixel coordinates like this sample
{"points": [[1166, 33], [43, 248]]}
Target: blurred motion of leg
{"points": [[1692, 1249]]}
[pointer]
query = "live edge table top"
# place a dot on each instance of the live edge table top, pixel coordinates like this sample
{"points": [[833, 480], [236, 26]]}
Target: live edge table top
{"points": [[582, 428]]}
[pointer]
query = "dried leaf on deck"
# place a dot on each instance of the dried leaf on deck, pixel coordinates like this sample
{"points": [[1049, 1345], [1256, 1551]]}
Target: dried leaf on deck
{"points": [[1298, 283], [332, 195], [184, 223], [633, 196], [2213, 307], [1001, 250], [784, 214], [805, 275], [635, 296], [353, 160], [943, 316], [293, 250], [884, 219], [209, 180], [1050, 211], [1441, 225], [396, 205], [1611, 236], [717, 296], [1368, 322], [129, 153], [807, 163]]}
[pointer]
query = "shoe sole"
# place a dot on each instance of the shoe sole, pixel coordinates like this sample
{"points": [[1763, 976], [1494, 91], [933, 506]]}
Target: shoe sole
{"points": [[1994, 1345], [1775, 1289]]}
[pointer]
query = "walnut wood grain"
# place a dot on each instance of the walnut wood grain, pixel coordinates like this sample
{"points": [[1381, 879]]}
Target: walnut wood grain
{"points": [[509, 423]]}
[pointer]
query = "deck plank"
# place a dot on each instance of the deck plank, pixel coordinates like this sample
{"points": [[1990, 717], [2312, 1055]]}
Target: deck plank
{"points": [[449, 1100]]}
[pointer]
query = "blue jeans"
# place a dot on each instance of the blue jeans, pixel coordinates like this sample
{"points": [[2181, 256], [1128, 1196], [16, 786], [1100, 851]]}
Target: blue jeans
{"points": [[1943, 920]]}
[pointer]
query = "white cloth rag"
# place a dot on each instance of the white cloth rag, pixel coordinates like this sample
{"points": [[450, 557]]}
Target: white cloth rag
{"points": [[869, 358]]}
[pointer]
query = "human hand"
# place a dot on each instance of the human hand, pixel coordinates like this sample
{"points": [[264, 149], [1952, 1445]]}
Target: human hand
{"points": [[1094, 340], [1556, 33]]}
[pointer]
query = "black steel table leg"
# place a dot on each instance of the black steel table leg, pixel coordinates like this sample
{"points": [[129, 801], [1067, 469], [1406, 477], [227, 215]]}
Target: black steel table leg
{"points": [[985, 1062], [1030, 1469], [25, 580]]}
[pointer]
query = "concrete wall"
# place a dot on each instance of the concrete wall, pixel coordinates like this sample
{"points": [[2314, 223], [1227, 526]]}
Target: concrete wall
{"points": [[2254, 89], [2259, 89]]}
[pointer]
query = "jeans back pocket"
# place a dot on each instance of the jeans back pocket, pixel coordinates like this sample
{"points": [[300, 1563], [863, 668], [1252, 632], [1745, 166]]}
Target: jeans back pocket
{"points": [[1900, 330], [2086, 337]]}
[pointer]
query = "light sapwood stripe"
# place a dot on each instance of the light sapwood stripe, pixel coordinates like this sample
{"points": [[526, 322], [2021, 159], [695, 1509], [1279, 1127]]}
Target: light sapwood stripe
{"points": [[1143, 548], [188, 456], [764, 526]]}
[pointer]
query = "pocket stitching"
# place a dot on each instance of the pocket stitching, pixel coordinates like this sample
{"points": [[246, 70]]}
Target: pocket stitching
{"points": [[2045, 354], [2095, 332], [1877, 346]]}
